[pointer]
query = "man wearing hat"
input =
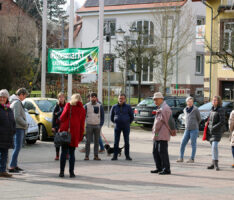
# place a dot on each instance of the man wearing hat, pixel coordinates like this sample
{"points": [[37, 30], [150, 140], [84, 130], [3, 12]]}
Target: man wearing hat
{"points": [[161, 136]]}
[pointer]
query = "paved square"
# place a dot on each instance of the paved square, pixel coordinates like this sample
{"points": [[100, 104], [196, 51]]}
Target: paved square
{"points": [[122, 179]]}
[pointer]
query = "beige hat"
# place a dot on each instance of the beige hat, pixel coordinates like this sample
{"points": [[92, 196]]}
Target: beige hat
{"points": [[158, 95], [4, 93]]}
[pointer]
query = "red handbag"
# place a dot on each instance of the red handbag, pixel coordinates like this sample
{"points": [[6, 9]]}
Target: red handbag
{"points": [[205, 132]]}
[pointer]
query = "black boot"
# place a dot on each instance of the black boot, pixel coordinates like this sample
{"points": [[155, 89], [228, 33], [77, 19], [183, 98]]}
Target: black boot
{"points": [[216, 165], [61, 174], [211, 166]]}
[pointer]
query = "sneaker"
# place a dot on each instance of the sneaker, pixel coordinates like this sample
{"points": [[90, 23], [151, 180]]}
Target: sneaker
{"points": [[56, 158], [14, 170], [190, 161], [5, 175], [86, 158], [101, 151], [19, 169], [180, 160], [114, 158], [96, 158], [156, 171], [164, 172]]}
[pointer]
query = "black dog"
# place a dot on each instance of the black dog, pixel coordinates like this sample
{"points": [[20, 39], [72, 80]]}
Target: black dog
{"points": [[110, 150]]}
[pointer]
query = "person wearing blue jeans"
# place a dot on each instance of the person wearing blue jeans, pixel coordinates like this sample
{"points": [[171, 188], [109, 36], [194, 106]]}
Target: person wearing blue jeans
{"points": [[192, 120], [21, 126], [122, 116], [18, 142], [189, 135], [216, 127], [102, 149]]}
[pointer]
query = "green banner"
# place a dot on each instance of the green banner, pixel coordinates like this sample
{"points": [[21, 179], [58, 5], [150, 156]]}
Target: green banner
{"points": [[73, 60]]}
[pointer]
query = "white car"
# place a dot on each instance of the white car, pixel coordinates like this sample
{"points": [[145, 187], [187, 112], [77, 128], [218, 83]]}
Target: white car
{"points": [[32, 133]]}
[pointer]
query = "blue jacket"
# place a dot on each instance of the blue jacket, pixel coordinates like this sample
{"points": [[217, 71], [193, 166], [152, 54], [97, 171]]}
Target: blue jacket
{"points": [[122, 115]]}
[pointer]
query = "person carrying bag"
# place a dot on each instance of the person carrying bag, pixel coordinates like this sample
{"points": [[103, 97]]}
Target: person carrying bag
{"points": [[72, 125]]}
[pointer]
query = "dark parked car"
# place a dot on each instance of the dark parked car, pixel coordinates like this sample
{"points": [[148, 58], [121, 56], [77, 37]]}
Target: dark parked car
{"points": [[144, 112], [205, 111]]}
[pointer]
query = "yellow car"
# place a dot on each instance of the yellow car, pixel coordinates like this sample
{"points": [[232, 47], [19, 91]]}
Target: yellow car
{"points": [[41, 110]]}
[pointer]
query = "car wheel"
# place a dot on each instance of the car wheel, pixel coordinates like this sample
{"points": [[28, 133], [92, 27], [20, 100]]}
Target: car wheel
{"points": [[31, 141], [42, 133]]}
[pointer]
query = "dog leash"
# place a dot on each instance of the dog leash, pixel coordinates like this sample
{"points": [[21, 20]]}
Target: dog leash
{"points": [[104, 138]]}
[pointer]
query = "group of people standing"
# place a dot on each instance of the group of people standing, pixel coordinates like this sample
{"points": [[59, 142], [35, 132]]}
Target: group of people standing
{"points": [[73, 115], [162, 127]]}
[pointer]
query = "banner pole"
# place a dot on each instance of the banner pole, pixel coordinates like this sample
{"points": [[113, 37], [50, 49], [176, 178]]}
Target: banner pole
{"points": [[44, 33], [100, 55], [71, 25]]}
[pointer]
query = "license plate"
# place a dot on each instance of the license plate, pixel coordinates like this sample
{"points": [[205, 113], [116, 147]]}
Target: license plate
{"points": [[144, 113]]}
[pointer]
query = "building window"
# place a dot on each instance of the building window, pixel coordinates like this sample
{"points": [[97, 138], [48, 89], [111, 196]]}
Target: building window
{"points": [[147, 71], [199, 64], [0, 6], [228, 37], [109, 26], [201, 20], [146, 31]]}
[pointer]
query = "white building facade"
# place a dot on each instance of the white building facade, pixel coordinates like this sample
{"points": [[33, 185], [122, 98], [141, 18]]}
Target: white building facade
{"points": [[125, 14]]}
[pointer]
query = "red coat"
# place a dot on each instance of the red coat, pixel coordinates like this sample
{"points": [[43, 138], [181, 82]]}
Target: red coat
{"points": [[77, 122]]}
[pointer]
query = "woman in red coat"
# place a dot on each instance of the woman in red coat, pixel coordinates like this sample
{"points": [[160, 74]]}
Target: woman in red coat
{"points": [[77, 123]]}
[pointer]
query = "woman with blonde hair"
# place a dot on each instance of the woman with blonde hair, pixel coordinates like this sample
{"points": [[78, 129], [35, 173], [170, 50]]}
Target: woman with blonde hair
{"points": [[216, 127], [73, 114]]}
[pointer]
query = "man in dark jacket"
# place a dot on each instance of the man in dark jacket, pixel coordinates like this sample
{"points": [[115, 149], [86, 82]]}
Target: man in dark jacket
{"points": [[122, 116]]}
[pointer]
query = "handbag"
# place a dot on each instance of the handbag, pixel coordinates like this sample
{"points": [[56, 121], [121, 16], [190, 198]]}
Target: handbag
{"points": [[64, 137], [206, 132]]}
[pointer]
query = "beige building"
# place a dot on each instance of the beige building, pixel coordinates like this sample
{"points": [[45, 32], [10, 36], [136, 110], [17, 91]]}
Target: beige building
{"points": [[218, 78]]}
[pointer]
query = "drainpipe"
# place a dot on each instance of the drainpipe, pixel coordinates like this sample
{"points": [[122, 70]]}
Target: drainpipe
{"points": [[211, 38]]}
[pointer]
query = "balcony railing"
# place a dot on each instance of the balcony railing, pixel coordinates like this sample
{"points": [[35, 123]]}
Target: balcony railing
{"points": [[227, 4]]}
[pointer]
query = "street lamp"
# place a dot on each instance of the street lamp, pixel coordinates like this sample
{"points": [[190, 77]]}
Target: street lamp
{"points": [[123, 39]]}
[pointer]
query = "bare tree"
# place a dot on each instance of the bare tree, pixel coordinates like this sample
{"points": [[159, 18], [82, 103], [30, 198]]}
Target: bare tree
{"points": [[134, 53], [174, 32], [220, 54]]}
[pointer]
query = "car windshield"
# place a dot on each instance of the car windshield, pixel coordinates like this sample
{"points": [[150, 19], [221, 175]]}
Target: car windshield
{"points": [[208, 106], [46, 105], [147, 102]]}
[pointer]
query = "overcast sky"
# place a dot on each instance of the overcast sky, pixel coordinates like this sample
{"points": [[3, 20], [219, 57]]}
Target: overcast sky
{"points": [[78, 3]]}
